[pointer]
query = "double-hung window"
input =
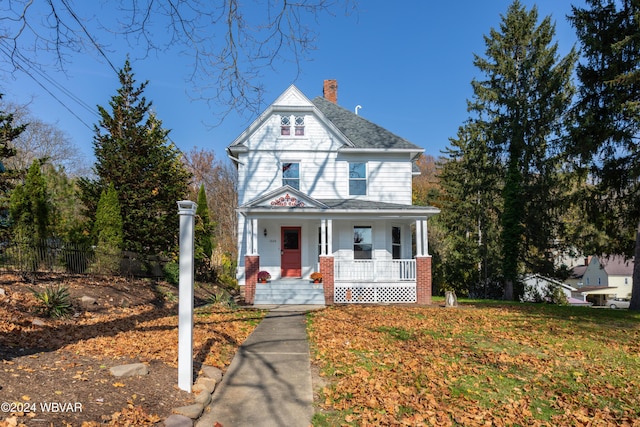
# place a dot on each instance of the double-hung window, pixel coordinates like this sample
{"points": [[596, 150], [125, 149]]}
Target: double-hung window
{"points": [[362, 242], [291, 174], [357, 178], [396, 242]]}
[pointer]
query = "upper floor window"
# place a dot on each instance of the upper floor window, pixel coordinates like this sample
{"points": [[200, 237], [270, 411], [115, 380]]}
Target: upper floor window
{"points": [[357, 179], [298, 125], [291, 175], [362, 242], [285, 125], [299, 121]]}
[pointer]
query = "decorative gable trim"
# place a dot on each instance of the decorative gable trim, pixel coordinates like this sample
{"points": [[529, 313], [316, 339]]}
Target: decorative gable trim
{"points": [[285, 197], [292, 100]]}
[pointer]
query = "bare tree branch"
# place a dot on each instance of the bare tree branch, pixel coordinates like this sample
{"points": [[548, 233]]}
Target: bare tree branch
{"points": [[230, 43]]}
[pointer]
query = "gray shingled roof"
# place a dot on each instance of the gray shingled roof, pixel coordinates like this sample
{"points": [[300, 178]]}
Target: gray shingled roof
{"points": [[365, 204], [361, 132]]}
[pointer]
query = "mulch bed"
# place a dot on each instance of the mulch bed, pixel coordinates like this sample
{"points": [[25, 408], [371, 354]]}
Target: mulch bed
{"points": [[56, 372]]}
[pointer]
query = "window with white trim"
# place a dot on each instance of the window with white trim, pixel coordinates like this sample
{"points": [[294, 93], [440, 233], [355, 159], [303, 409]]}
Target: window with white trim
{"points": [[357, 179], [291, 174], [396, 243], [285, 125], [299, 122], [298, 125], [362, 242]]}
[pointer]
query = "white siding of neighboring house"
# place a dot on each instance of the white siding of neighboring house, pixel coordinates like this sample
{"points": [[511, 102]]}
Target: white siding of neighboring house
{"points": [[595, 275]]}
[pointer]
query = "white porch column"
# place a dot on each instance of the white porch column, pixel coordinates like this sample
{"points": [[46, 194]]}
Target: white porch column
{"points": [[254, 236], [419, 238], [329, 249], [323, 236], [425, 238]]}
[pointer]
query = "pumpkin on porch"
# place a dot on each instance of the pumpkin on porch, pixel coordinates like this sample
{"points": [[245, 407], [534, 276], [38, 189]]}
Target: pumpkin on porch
{"points": [[316, 277], [263, 276]]}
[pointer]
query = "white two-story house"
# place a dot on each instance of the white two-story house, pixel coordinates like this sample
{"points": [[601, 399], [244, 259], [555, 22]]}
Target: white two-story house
{"points": [[321, 189]]}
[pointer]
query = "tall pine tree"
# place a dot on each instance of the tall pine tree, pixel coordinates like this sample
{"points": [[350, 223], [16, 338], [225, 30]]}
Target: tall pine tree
{"points": [[133, 154], [29, 207], [8, 133], [605, 140], [521, 105]]}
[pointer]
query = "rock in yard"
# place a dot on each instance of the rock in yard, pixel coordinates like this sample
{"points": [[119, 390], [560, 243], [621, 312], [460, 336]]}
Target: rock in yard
{"points": [[204, 384], [212, 372], [2, 291], [203, 398], [192, 411], [38, 322], [129, 370], [88, 301], [176, 420]]}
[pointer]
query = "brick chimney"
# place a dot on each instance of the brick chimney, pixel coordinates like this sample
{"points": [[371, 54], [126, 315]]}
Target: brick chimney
{"points": [[330, 91]]}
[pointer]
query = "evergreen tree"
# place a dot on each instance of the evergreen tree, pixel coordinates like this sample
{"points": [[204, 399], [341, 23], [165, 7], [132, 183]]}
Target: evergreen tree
{"points": [[605, 140], [204, 228], [521, 106], [107, 232], [29, 207], [8, 133], [133, 153], [470, 200]]}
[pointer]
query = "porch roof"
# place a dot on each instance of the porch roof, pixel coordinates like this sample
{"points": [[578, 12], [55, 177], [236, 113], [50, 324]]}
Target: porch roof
{"points": [[287, 201]]}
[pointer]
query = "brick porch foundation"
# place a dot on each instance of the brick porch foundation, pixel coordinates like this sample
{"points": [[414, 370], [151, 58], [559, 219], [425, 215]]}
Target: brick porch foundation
{"points": [[423, 280], [251, 268], [326, 268]]}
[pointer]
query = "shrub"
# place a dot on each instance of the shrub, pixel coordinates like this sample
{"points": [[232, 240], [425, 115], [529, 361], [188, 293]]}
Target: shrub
{"points": [[172, 273], [54, 302]]}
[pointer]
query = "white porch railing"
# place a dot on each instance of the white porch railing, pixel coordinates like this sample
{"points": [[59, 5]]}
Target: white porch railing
{"points": [[373, 270], [374, 281]]}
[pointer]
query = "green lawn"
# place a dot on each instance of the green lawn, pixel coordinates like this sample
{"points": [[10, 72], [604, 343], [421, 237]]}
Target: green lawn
{"points": [[483, 363]]}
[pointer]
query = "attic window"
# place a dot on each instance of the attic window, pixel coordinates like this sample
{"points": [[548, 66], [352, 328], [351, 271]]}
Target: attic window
{"points": [[285, 125], [299, 121]]}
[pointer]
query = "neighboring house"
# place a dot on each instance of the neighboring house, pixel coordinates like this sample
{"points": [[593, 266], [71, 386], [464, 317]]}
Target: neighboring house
{"points": [[537, 286], [323, 189], [607, 277]]}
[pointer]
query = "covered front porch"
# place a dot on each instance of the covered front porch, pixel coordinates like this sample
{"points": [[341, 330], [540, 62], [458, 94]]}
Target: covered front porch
{"points": [[377, 253]]}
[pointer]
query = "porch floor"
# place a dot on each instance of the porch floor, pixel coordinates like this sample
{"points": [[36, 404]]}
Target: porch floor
{"points": [[289, 291]]}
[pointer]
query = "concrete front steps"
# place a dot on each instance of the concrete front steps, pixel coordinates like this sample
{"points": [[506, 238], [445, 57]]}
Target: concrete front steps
{"points": [[289, 291]]}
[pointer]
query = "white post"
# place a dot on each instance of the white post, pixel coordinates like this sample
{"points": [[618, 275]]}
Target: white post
{"points": [[329, 237], [425, 238], [419, 238], [186, 211], [323, 237]]}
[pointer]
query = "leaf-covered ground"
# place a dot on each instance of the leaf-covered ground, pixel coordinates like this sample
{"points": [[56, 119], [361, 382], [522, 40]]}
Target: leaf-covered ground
{"points": [[67, 361], [477, 365]]}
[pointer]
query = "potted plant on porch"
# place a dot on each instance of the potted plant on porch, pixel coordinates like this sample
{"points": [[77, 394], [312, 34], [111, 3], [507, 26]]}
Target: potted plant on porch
{"points": [[316, 277], [263, 276]]}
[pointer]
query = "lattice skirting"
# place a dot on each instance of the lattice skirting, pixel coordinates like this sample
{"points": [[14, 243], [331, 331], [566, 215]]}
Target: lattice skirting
{"points": [[355, 293]]}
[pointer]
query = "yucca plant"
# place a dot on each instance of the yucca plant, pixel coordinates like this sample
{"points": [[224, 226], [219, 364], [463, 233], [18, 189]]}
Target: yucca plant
{"points": [[54, 302]]}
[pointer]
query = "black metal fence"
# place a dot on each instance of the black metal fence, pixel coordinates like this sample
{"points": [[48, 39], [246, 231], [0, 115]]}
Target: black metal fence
{"points": [[56, 256]]}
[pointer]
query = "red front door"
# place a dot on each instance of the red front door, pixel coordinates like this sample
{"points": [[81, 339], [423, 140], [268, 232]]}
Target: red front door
{"points": [[290, 253]]}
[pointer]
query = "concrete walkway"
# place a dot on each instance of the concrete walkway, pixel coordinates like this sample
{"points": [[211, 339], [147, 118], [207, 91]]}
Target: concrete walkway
{"points": [[269, 380]]}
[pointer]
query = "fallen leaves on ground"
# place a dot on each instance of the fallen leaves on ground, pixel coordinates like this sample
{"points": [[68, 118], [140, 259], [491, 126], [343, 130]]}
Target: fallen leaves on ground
{"points": [[80, 349], [477, 366]]}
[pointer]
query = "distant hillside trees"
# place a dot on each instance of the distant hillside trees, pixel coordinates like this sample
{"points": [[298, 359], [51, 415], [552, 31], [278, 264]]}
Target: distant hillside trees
{"points": [[133, 153]]}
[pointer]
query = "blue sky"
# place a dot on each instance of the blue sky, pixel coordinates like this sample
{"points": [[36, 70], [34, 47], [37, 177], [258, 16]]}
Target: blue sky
{"points": [[408, 65]]}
